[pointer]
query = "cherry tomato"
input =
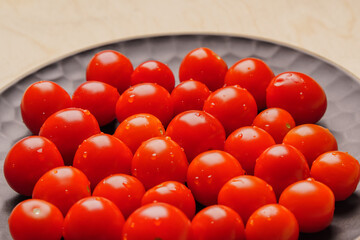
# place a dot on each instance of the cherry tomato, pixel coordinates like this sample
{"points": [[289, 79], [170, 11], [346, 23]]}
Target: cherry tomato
{"points": [[246, 144], [110, 67], [124, 190], [93, 218], [233, 106], [157, 221], [242, 193], [252, 74], [298, 94], [28, 160], [276, 121], [40, 100], [272, 221], [208, 172], [154, 72], [311, 140], [102, 155], [339, 171], [36, 219], [145, 98], [158, 160], [67, 129], [203, 65], [196, 131], [138, 128], [99, 98], [62, 186], [217, 222], [311, 202], [174, 193], [189, 95]]}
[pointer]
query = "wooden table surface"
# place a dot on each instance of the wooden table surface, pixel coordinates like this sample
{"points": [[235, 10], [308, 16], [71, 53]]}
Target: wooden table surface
{"points": [[35, 32]]}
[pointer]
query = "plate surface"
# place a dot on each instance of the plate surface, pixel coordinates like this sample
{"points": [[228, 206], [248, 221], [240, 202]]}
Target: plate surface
{"points": [[342, 116]]}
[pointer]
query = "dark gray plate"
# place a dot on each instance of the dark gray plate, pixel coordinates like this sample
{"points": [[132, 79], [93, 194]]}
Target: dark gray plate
{"points": [[342, 89]]}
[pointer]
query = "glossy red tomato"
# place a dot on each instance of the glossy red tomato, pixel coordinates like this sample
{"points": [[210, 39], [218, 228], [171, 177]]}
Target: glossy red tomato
{"points": [[94, 218], [138, 128], [40, 100], [311, 140], [145, 98], [298, 94], [217, 222], [102, 155], [233, 106], [252, 74], [196, 131], [28, 160], [189, 95], [157, 221], [208, 172], [124, 190], [246, 144], [281, 165], [154, 72], [272, 221], [99, 98], [36, 219], [339, 171], [276, 121], [203, 65], [311, 202], [174, 193], [62, 186], [242, 194], [110, 67], [67, 129], [158, 160]]}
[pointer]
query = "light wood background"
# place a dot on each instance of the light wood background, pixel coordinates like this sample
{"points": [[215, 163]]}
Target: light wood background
{"points": [[34, 32]]}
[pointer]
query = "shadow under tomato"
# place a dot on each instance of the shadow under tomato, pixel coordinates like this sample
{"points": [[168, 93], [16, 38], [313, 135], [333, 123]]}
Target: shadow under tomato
{"points": [[10, 203], [328, 234], [348, 206], [110, 127]]}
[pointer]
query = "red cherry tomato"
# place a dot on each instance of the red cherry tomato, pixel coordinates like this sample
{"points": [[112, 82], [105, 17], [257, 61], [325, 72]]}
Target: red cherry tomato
{"points": [[62, 186], [40, 100], [246, 144], [311, 140], [99, 98], [110, 67], [311, 202], [102, 155], [242, 194], [93, 218], [158, 160], [203, 65], [339, 171], [272, 221], [208, 172], [145, 98], [154, 72], [196, 131], [298, 94], [124, 190], [138, 128], [252, 74], [67, 128], [174, 193], [281, 165], [276, 121], [217, 222], [36, 219], [28, 160], [157, 221], [233, 106], [189, 95]]}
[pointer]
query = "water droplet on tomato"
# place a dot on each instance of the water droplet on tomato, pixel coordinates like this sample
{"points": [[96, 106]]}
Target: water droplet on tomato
{"points": [[196, 180], [40, 150], [127, 127], [131, 98], [84, 154], [36, 211], [153, 156]]}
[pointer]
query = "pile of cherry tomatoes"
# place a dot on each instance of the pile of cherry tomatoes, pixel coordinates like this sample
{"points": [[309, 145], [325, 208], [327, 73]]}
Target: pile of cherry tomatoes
{"points": [[229, 153]]}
